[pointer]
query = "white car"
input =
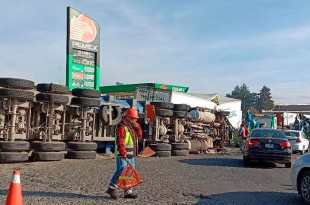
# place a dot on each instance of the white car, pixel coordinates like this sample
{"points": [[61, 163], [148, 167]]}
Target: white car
{"points": [[300, 177], [298, 140]]}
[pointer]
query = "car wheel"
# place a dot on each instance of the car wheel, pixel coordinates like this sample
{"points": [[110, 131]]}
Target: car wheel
{"points": [[246, 161], [302, 152], [304, 184], [288, 165]]}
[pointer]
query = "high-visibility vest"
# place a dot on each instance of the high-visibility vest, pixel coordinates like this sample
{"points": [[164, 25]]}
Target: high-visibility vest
{"points": [[128, 142]]}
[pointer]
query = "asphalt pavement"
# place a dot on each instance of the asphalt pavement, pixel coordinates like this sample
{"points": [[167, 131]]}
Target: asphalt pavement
{"points": [[211, 179]]}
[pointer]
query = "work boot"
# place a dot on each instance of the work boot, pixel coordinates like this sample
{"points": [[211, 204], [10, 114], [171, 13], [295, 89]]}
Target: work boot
{"points": [[112, 193], [131, 196]]}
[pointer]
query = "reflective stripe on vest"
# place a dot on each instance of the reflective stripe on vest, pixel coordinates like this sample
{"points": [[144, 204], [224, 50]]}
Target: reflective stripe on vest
{"points": [[128, 143]]}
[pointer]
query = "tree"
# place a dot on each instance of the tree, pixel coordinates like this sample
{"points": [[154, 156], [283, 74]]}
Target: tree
{"points": [[264, 101], [248, 99]]}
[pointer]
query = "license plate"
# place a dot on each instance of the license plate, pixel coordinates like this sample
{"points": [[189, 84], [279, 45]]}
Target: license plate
{"points": [[269, 146]]}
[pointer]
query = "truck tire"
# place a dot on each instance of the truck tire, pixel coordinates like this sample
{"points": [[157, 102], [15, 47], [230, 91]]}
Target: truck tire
{"points": [[180, 114], [163, 153], [162, 105], [81, 155], [116, 114], [78, 92], [52, 88], [14, 146], [179, 146], [46, 97], [164, 113], [181, 107], [224, 113], [48, 156], [160, 147], [48, 146], [86, 102], [14, 156], [18, 94], [16, 83], [82, 146], [183, 152]]}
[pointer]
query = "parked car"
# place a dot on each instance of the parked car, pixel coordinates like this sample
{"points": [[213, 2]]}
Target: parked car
{"points": [[300, 177], [268, 145], [298, 140]]}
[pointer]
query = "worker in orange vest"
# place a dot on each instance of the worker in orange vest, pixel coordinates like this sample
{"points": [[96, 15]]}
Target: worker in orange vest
{"points": [[128, 133]]}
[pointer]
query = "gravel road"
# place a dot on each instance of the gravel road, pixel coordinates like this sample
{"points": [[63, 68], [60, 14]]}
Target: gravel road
{"points": [[195, 179]]}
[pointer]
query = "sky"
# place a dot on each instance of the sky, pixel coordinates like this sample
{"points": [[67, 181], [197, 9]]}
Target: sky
{"points": [[211, 46]]}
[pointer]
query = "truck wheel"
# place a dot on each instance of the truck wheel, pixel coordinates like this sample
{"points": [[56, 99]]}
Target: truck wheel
{"points": [[48, 156], [82, 146], [14, 156], [16, 83], [181, 107], [179, 152], [180, 114], [14, 146], [86, 102], [46, 97], [160, 147], [162, 105], [52, 88], [116, 114], [179, 146], [81, 155], [163, 113], [163, 153], [48, 146], [18, 94], [224, 113], [86, 93]]}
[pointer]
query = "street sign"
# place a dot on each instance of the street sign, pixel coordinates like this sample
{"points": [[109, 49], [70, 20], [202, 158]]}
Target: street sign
{"points": [[152, 95]]}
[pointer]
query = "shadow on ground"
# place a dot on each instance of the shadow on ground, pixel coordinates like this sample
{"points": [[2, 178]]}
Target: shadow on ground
{"points": [[229, 162], [57, 194], [246, 198]]}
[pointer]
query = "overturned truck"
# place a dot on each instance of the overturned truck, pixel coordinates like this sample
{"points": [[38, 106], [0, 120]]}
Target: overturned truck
{"points": [[178, 129], [47, 122]]}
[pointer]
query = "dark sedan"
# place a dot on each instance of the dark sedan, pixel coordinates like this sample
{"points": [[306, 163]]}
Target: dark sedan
{"points": [[268, 145]]}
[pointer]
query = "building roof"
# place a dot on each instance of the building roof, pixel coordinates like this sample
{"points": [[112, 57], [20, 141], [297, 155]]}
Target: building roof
{"points": [[224, 99], [211, 97], [131, 88], [215, 98]]}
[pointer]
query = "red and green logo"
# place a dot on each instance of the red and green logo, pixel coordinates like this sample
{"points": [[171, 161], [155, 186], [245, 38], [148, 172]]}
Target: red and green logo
{"points": [[82, 28]]}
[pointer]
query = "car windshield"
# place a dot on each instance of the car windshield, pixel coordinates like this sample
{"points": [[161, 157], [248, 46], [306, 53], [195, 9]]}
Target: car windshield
{"points": [[291, 134], [267, 133]]}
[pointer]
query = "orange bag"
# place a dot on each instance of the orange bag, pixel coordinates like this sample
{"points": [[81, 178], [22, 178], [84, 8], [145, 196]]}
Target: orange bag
{"points": [[129, 177]]}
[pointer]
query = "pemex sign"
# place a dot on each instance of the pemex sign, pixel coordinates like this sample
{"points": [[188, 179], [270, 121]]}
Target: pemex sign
{"points": [[83, 51]]}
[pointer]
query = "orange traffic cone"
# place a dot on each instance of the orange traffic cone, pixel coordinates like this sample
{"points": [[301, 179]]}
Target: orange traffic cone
{"points": [[15, 196]]}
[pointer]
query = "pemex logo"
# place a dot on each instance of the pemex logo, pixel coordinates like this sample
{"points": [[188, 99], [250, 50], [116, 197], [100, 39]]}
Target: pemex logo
{"points": [[163, 86], [82, 28]]}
